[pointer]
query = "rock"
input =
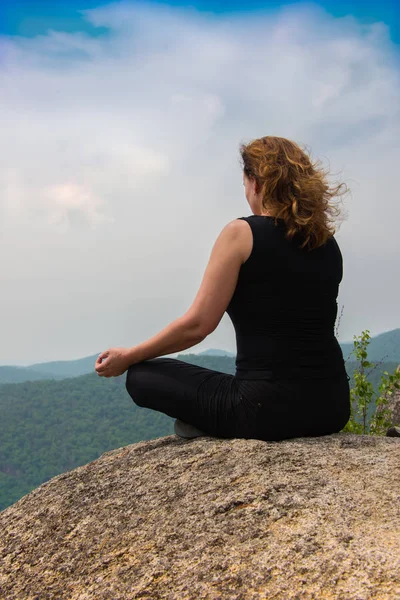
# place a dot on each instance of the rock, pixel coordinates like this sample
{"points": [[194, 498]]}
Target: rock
{"points": [[307, 518], [393, 431]]}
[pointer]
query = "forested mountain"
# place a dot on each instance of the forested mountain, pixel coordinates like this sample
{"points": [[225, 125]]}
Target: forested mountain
{"points": [[20, 374], [384, 347], [60, 369], [49, 427], [68, 368], [216, 352]]}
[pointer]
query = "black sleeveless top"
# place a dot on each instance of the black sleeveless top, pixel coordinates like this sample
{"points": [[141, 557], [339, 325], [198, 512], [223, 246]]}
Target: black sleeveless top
{"points": [[284, 307]]}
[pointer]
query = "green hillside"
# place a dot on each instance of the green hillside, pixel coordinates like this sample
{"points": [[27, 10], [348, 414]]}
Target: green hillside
{"points": [[49, 427]]}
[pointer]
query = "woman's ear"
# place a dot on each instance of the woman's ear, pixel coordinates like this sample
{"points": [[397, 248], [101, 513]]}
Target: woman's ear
{"points": [[255, 186]]}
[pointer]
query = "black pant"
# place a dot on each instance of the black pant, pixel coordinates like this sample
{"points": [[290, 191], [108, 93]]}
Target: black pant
{"points": [[223, 406]]}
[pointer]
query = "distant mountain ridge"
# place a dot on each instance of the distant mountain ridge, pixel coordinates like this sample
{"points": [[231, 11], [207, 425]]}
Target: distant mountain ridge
{"points": [[61, 369], [215, 352], [67, 368], [21, 374], [383, 347]]}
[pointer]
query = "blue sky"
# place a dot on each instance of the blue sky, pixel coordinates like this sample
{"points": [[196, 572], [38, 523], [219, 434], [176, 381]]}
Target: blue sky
{"points": [[119, 161], [32, 17]]}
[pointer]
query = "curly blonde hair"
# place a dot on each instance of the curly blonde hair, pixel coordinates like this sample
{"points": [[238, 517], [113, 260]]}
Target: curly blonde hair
{"points": [[293, 188]]}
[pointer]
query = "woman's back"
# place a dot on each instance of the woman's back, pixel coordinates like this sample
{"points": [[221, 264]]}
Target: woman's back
{"points": [[290, 376], [285, 305]]}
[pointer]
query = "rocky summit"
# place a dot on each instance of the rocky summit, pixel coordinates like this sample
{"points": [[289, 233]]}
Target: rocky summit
{"points": [[307, 518]]}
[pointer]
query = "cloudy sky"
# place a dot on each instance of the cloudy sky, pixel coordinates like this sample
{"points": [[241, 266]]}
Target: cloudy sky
{"points": [[120, 127]]}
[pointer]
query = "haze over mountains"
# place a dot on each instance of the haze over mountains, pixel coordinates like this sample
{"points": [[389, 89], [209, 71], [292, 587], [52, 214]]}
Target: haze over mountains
{"points": [[383, 347]]}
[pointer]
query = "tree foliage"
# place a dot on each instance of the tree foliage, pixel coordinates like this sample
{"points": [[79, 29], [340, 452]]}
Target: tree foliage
{"points": [[369, 406]]}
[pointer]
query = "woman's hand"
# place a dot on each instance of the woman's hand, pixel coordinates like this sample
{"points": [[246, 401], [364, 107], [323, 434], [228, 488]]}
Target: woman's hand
{"points": [[113, 362]]}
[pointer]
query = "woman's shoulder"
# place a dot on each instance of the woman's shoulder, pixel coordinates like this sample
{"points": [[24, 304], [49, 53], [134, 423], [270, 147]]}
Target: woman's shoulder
{"points": [[246, 227], [242, 234]]}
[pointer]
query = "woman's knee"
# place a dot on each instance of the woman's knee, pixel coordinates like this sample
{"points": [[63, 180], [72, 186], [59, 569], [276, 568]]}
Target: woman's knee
{"points": [[134, 384]]}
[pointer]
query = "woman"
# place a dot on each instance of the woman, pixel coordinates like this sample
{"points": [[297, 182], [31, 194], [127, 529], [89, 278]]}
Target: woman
{"points": [[276, 273]]}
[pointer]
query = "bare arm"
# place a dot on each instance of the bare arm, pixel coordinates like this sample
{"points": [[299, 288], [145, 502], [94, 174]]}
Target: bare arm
{"points": [[215, 292]]}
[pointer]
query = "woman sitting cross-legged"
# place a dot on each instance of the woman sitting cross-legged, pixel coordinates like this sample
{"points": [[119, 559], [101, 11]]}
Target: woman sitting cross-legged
{"points": [[276, 273]]}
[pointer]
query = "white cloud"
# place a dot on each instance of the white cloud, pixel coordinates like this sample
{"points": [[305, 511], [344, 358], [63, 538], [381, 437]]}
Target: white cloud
{"points": [[119, 163]]}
